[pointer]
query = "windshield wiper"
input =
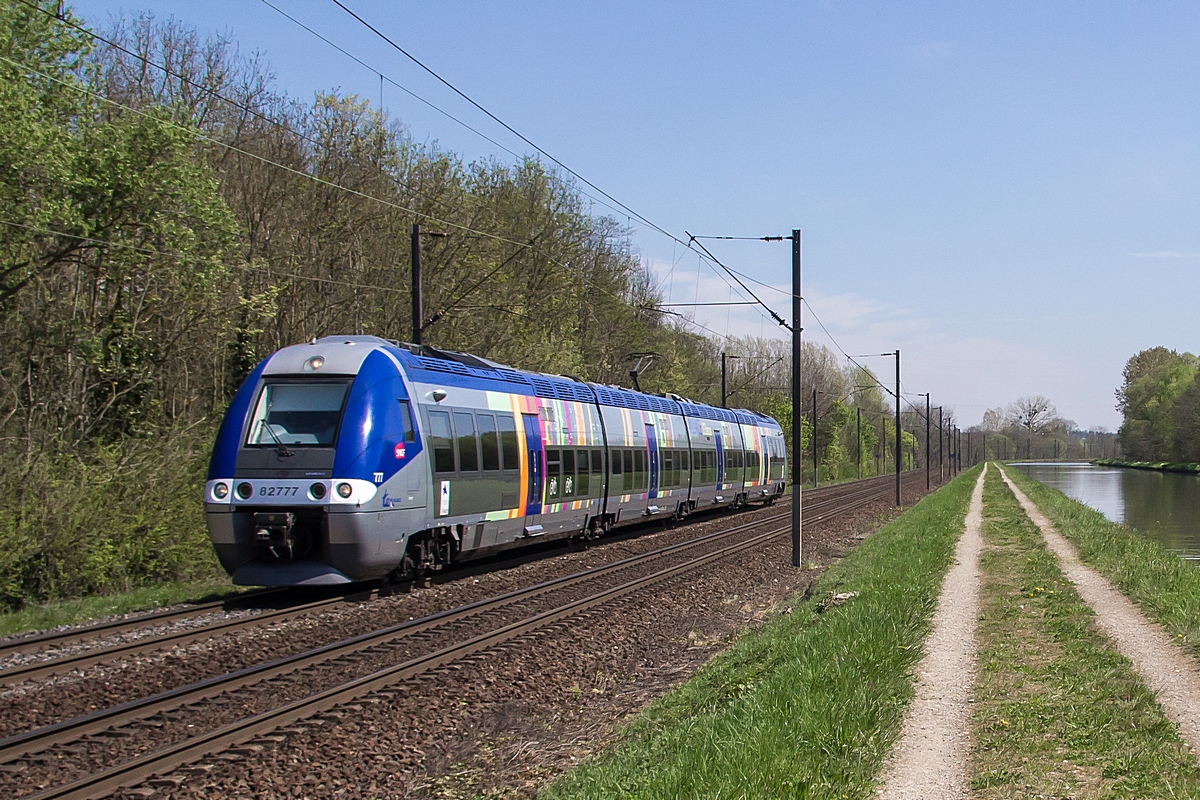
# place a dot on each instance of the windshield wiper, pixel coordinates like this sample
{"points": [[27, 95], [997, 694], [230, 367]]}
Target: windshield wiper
{"points": [[281, 449]]}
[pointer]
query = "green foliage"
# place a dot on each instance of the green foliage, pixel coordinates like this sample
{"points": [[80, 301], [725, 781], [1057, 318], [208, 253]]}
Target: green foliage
{"points": [[1160, 401], [106, 519]]}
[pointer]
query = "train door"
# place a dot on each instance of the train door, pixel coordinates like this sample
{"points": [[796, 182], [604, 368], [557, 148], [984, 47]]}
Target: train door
{"points": [[537, 475], [720, 457], [652, 443]]}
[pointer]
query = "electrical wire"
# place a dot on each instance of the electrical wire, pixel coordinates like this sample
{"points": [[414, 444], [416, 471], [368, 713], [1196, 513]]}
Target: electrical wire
{"points": [[629, 211]]}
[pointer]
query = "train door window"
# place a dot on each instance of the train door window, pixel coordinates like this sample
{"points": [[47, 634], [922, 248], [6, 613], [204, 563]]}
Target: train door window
{"points": [[489, 442], [639, 467], [508, 441], [406, 422], [568, 473], [468, 447], [668, 463], [582, 482], [627, 478], [441, 439], [553, 474], [677, 472]]}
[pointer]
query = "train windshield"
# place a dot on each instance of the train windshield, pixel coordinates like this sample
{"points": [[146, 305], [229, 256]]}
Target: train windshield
{"points": [[297, 414]]}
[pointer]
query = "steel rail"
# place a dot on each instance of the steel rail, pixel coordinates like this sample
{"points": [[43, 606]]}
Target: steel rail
{"points": [[187, 751]]}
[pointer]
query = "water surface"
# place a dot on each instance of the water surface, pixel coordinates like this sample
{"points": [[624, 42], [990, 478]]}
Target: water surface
{"points": [[1164, 506]]}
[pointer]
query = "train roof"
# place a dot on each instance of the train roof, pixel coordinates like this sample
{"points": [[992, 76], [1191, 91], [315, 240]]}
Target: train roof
{"points": [[430, 365]]}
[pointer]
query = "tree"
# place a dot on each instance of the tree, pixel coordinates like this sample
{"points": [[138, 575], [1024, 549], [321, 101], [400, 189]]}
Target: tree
{"points": [[1032, 414], [1153, 381], [993, 420]]}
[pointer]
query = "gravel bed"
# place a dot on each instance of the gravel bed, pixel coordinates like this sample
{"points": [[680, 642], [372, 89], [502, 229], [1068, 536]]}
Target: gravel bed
{"points": [[509, 721], [64, 764], [34, 704]]}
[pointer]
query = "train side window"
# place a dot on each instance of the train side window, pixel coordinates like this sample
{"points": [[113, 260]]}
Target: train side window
{"points": [[583, 482], [553, 473], [616, 462], [468, 447], [668, 463], [568, 473], [489, 442], [597, 462], [441, 440], [406, 422], [627, 480], [508, 441], [639, 467]]}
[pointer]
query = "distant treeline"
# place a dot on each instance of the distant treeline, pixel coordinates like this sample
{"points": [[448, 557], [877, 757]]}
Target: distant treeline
{"points": [[1160, 400], [162, 230]]}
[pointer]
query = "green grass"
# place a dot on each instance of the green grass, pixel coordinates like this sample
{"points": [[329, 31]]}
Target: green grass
{"points": [[1058, 711], [809, 705], [1166, 587], [1161, 466], [50, 615]]}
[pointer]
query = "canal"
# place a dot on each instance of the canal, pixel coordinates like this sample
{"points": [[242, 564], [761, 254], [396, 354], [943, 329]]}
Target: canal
{"points": [[1164, 506]]}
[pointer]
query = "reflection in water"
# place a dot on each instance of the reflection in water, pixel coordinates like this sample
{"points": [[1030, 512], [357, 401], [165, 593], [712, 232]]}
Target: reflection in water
{"points": [[1162, 505]]}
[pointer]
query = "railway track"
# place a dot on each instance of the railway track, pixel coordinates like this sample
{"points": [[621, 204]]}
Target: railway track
{"points": [[362, 666], [72, 649]]}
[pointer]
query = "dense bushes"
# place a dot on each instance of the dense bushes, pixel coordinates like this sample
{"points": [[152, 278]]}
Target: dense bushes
{"points": [[109, 518]]}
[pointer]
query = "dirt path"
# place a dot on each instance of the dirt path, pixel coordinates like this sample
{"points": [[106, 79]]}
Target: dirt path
{"points": [[1170, 674], [930, 760]]}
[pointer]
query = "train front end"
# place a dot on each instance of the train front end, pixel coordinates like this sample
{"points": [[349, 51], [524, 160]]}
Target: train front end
{"points": [[316, 474]]}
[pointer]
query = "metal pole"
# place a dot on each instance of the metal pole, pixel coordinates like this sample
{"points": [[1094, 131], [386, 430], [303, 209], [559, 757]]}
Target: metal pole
{"points": [[797, 447], [417, 314], [814, 436], [928, 425], [723, 404], [969, 462], [858, 418], [941, 450], [898, 439]]}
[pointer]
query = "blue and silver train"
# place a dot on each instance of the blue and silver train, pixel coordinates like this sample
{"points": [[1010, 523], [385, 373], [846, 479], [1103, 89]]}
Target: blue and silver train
{"points": [[353, 458]]}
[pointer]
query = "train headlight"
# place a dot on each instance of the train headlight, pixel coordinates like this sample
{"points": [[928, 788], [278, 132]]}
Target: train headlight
{"points": [[244, 490], [314, 364], [317, 491], [344, 490], [221, 491]]}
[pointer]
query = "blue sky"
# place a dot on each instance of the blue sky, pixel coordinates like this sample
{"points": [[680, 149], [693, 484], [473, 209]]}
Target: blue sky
{"points": [[1007, 192]]}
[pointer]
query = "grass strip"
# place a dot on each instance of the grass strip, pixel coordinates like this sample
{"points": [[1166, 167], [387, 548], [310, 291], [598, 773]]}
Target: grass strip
{"points": [[1058, 711], [809, 705], [1163, 585], [1160, 466], [72, 612]]}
